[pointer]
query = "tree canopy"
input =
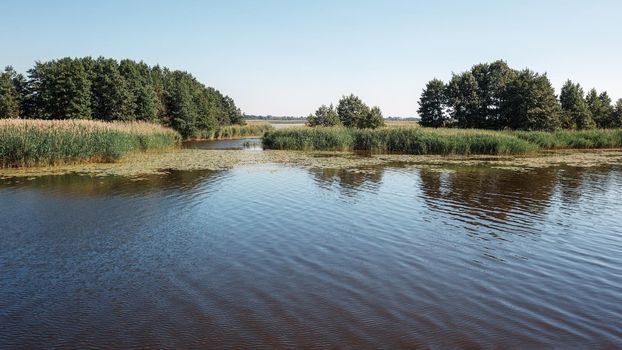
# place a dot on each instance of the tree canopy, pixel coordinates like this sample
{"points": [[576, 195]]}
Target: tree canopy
{"points": [[433, 105], [351, 112], [324, 116], [495, 96], [106, 89]]}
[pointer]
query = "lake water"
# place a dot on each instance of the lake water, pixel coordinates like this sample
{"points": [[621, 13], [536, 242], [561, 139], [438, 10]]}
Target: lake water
{"points": [[272, 256]]}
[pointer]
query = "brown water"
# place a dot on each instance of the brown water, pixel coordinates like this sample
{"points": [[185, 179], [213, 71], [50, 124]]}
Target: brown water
{"points": [[270, 256]]}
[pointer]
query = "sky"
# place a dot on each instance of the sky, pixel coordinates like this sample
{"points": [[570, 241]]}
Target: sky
{"points": [[289, 57]]}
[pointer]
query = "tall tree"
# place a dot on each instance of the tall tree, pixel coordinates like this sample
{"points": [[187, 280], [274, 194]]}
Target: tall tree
{"points": [[9, 94], [110, 97], [373, 119], [352, 111], [617, 115], [529, 102], [600, 107], [463, 100], [106, 89], [234, 113], [63, 89], [181, 104], [433, 105], [492, 80], [143, 99], [324, 116], [575, 112]]}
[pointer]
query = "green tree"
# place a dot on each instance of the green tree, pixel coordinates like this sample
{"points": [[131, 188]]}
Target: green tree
{"points": [[433, 105], [492, 80], [181, 104], [601, 108], [617, 115], [62, 89], [158, 76], [110, 97], [324, 116], [9, 94], [234, 113], [463, 100], [373, 119], [143, 101], [351, 111], [575, 112], [529, 102]]}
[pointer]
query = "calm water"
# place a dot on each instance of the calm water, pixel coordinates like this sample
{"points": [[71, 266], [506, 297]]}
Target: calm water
{"points": [[280, 257]]}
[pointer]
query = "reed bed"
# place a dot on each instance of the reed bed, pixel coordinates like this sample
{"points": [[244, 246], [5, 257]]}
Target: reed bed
{"points": [[421, 141], [236, 131], [52, 142]]}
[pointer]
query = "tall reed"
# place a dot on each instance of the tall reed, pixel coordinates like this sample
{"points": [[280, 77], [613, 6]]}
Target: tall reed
{"points": [[50, 142], [418, 140], [236, 131]]}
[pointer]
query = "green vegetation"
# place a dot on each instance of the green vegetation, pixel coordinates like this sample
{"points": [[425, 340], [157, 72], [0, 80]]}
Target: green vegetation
{"points": [[351, 112], [105, 89], [442, 141], [495, 96], [43, 142], [236, 131]]}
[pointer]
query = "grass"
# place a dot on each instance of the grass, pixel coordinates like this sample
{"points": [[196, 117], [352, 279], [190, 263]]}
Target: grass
{"points": [[236, 131], [53, 142], [419, 140]]}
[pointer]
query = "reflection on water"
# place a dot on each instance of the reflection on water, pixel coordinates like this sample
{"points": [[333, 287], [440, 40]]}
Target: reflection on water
{"points": [[348, 181], [246, 144], [272, 256]]}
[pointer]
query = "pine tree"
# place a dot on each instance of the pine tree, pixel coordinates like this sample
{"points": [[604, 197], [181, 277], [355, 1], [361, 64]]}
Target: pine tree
{"points": [[600, 107], [575, 112], [9, 94], [373, 119], [63, 89], [324, 116], [351, 111], [110, 97], [617, 115]]}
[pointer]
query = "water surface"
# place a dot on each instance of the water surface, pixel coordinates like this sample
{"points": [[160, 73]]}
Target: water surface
{"points": [[275, 256]]}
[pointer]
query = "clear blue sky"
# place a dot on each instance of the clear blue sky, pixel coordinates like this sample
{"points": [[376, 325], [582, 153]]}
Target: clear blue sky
{"points": [[288, 57]]}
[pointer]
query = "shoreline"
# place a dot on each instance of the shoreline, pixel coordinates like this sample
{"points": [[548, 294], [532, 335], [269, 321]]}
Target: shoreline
{"points": [[196, 159]]}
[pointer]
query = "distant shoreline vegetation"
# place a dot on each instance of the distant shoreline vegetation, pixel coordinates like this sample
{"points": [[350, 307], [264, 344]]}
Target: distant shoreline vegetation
{"points": [[54, 142], [109, 90], [438, 141]]}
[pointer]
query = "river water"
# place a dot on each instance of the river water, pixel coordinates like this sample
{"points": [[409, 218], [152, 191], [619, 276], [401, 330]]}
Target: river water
{"points": [[275, 256]]}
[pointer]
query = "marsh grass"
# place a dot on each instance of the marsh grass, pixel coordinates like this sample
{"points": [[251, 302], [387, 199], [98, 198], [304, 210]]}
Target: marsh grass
{"points": [[421, 141], [236, 131], [53, 142]]}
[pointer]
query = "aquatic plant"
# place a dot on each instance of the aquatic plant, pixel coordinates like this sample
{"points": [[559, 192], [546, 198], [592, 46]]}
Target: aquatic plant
{"points": [[51, 142], [420, 140], [235, 131]]}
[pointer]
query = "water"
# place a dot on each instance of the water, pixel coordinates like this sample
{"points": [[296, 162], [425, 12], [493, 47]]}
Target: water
{"points": [[252, 144], [276, 256]]}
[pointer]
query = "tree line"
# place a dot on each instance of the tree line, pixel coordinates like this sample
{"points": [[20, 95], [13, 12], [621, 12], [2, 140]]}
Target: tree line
{"points": [[107, 89], [351, 112], [495, 96]]}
